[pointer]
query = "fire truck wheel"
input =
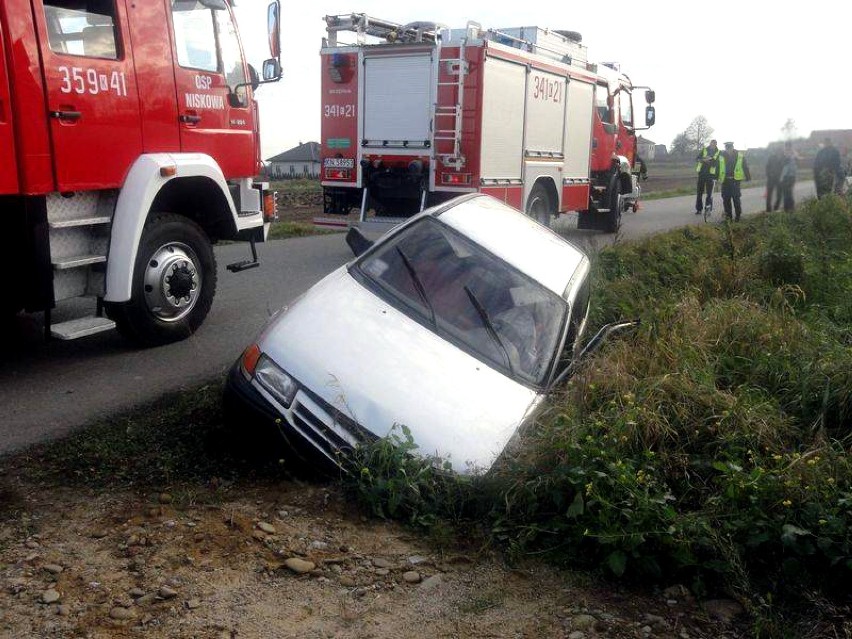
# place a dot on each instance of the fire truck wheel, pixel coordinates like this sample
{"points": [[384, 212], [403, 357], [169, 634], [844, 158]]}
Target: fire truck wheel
{"points": [[174, 281], [539, 206], [613, 217]]}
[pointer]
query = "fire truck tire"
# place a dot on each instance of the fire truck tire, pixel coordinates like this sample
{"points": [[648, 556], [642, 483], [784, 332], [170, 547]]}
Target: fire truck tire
{"points": [[539, 206], [174, 282], [612, 222]]}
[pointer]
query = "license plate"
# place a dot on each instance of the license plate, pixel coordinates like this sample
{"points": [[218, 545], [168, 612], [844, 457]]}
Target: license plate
{"points": [[339, 163]]}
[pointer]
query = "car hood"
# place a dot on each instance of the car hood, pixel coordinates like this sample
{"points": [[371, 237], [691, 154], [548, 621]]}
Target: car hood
{"points": [[383, 369]]}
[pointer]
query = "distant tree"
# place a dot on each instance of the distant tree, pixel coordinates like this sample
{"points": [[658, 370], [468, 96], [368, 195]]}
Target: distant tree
{"points": [[692, 139], [680, 145], [699, 133], [789, 130]]}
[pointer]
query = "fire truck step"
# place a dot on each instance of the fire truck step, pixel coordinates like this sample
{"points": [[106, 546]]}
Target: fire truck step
{"points": [[83, 327], [86, 221], [77, 260]]}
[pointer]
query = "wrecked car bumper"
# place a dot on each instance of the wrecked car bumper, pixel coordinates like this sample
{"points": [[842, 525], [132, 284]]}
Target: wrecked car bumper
{"points": [[308, 429]]}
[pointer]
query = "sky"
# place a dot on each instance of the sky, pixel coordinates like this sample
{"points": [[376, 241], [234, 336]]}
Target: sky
{"points": [[747, 65]]}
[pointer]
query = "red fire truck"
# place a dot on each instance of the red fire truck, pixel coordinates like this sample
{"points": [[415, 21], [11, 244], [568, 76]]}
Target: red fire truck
{"points": [[128, 142], [415, 114]]}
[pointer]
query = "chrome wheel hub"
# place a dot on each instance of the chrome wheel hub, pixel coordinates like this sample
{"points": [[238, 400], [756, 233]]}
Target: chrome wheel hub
{"points": [[172, 281]]}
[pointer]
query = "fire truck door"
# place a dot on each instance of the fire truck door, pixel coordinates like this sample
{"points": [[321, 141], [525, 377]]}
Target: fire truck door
{"points": [[9, 171], [92, 101], [215, 114]]}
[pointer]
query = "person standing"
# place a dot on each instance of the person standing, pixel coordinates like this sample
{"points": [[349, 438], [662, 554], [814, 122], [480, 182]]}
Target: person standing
{"points": [[733, 169], [774, 165], [707, 168], [827, 169], [788, 176]]}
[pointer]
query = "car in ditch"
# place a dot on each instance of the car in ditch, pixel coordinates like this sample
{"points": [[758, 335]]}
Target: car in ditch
{"points": [[454, 324]]}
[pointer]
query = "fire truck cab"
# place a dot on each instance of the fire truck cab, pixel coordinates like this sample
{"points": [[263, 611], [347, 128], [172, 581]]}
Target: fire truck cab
{"points": [[128, 144], [414, 114]]}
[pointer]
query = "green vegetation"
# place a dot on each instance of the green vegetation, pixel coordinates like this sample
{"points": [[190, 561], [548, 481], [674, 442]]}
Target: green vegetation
{"points": [[660, 195], [711, 447], [284, 229], [296, 185], [180, 438]]}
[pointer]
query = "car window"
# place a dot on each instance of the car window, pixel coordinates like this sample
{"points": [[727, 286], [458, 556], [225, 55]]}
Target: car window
{"points": [[470, 297]]}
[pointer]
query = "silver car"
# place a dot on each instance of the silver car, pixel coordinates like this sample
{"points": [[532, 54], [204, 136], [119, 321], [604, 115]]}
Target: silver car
{"points": [[454, 324]]}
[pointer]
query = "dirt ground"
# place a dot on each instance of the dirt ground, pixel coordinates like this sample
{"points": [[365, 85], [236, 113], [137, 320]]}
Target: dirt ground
{"points": [[216, 561]]}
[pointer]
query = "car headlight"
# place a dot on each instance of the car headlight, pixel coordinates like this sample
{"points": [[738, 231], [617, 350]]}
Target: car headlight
{"points": [[275, 380]]}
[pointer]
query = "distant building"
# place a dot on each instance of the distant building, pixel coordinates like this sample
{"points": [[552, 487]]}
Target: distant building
{"points": [[841, 138], [647, 149], [300, 161], [661, 152]]}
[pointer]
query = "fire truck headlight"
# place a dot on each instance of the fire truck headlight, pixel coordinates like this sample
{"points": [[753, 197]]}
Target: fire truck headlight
{"points": [[415, 166]]}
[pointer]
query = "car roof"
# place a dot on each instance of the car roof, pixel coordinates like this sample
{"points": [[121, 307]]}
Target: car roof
{"points": [[515, 238]]}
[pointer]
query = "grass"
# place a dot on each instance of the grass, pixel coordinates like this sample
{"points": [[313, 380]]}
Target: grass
{"points": [[297, 185], [660, 195], [181, 437], [286, 229], [711, 448]]}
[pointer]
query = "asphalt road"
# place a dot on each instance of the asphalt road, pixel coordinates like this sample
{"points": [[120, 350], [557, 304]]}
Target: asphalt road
{"points": [[49, 388]]}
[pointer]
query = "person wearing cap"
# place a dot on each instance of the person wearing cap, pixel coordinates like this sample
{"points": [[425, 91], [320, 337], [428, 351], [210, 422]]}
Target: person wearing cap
{"points": [[707, 168], [733, 169]]}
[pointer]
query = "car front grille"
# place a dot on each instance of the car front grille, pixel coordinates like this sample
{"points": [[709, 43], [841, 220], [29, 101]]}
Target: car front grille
{"points": [[325, 427]]}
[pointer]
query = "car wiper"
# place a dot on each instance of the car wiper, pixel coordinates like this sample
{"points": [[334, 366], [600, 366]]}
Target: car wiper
{"points": [[418, 285], [489, 326]]}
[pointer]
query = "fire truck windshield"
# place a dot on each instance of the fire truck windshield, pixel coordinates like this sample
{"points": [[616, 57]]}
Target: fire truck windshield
{"points": [[198, 28]]}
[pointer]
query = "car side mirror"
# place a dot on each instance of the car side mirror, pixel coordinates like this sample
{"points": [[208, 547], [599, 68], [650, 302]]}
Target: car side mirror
{"points": [[271, 70], [650, 96], [650, 116], [357, 242], [594, 344]]}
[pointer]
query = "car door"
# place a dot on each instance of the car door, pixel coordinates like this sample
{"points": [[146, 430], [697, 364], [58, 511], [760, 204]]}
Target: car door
{"points": [[92, 102], [216, 115]]}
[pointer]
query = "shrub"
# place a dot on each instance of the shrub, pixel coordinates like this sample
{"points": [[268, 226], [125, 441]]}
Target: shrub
{"points": [[714, 444]]}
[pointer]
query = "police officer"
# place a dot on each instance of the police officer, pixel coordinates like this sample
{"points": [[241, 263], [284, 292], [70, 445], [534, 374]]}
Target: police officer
{"points": [[733, 169], [707, 168]]}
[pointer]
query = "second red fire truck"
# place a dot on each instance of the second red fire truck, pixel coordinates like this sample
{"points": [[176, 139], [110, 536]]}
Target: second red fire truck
{"points": [[415, 114]]}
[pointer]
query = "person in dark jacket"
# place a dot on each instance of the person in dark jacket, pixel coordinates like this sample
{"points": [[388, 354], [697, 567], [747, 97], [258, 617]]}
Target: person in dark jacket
{"points": [[827, 168], [774, 165], [733, 169], [788, 176], [707, 168]]}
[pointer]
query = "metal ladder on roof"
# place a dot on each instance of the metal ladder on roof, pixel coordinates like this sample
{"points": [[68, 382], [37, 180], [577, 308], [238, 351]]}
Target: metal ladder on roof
{"points": [[452, 113]]}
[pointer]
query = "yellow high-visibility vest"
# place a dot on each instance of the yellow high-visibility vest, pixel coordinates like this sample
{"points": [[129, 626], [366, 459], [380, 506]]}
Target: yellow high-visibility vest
{"points": [[739, 173], [703, 156]]}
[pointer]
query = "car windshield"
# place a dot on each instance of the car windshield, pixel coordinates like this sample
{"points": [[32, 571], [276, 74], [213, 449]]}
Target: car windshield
{"points": [[470, 297]]}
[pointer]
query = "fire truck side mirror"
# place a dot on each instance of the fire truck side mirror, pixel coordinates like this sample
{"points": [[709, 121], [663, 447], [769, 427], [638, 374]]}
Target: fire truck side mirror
{"points": [[271, 70], [650, 116], [650, 96], [274, 28]]}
